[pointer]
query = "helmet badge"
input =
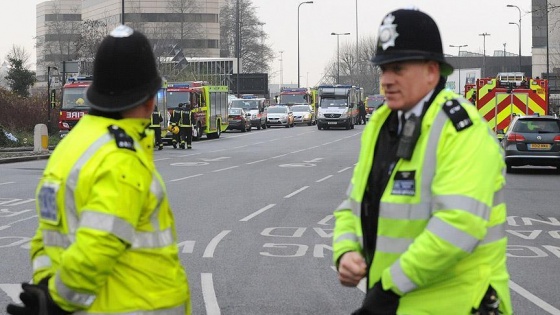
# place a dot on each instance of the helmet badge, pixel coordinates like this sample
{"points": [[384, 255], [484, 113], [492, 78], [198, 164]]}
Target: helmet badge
{"points": [[388, 32]]}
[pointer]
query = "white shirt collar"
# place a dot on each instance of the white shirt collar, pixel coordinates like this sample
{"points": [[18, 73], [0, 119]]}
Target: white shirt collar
{"points": [[417, 109]]}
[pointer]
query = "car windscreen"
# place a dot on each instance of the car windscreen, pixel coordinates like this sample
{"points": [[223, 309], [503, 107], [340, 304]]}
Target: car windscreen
{"points": [[244, 104], [293, 98], [375, 103], [277, 110], [537, 126], [74, 98], [333, 102], [235, 111], [299, 108], [174, 98]]}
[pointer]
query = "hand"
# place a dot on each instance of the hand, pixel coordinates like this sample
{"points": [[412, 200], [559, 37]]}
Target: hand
{"points": [[351, 269], [379, 302], [36, 301]]}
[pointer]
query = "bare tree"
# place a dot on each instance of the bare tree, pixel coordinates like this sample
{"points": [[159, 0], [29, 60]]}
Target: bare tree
{"points": [[19, 53], [255, 54]]}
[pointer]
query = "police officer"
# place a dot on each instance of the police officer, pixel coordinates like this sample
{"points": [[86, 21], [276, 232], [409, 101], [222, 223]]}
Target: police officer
{"points": [[155, 125], [361, 113], [106, 241], [424, 218]]}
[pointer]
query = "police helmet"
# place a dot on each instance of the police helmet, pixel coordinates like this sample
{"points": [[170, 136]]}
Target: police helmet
{"points": [[409, 34], [124, 71]]}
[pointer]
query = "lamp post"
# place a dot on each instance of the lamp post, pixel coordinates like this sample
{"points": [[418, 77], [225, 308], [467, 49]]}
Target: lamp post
{"points": [[459, 70], [484, 50], [309, 2], [357, 51], [519, 25], [237, 46], [281, 69], [122, 12], [49, 94], [338, 54]]}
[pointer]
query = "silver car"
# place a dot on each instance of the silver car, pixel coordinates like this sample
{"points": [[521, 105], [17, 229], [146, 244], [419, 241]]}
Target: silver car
{"points": [[280, 116], [304, 114]]}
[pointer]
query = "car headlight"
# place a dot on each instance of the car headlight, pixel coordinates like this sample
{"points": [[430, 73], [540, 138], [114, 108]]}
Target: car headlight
{"points": [[253, 116], [320, 115], [284, 117], [306, 116], [345, 115]]}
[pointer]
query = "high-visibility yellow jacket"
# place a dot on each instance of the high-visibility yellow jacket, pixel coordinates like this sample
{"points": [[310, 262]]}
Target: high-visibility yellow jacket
{"points": [[106, 233], [441, 239]]}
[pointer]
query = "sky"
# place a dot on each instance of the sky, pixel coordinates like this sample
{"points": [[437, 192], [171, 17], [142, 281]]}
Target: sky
{"points": [[460, 23]]}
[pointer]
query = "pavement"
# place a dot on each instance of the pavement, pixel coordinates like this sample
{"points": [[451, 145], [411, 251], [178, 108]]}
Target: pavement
{"points": [[21, 154]]}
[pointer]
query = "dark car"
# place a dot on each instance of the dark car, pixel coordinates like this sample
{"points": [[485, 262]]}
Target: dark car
{"points": [[239, 119], [372, 104], [532, 140]]}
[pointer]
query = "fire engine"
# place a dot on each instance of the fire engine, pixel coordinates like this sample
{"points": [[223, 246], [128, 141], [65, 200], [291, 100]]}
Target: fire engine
{"points": [[208, 103], [499, 99], [74, 104], [291, 96]]}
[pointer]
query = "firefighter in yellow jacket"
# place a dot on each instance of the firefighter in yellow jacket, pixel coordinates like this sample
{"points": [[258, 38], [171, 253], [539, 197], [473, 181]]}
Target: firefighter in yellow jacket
{"points": [[106, 241], [424, 218]]}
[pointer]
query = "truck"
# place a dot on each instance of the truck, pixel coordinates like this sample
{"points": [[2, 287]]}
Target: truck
{"points": [[337, 106], [499, 98], [255, 106], [291, 96], [74, 104], [209, 105]]}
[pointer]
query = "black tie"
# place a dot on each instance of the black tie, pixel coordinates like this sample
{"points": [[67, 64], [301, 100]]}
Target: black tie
{"points": [[402, 121]]}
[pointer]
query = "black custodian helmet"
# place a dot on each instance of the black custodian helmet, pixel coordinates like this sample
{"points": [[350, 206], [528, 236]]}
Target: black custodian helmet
{"points": [[409, 34], [124, 71]]}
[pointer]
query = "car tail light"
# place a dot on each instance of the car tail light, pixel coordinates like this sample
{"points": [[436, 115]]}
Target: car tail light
{"points": [[515, 137], [557, 139]]}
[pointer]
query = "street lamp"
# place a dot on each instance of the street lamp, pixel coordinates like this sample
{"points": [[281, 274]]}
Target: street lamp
{"points": [[459, 55], [122, 12], [309, 2], [357, 51], [484, 56], [338, 54], [518, 25], [49, 100]]}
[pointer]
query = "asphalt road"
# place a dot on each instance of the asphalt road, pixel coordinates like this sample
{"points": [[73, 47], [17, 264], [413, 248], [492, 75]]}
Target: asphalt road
{"points": [[254, 219]]}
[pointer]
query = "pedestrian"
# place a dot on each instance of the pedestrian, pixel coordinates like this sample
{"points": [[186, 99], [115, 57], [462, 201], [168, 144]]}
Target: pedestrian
{"points": [[424, 218], [182, 118], [106, 241], [155, 124], [361, 113]]}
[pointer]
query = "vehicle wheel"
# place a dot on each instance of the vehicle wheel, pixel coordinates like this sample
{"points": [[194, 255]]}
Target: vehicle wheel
{"points": [[288, 125], [243, 129], [264, 126], [508, 168], [267, 126], [198, 132], [219, 132], [319, 127], [250, 128]]}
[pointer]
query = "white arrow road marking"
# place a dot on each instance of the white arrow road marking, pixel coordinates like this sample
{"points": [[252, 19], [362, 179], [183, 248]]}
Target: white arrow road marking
{"points": [[209, 251], [12, 290], [215, 159]]}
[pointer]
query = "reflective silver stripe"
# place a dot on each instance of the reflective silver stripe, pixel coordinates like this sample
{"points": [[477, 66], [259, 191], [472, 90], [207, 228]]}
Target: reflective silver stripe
{"points": [[452, 235], [153, 239], [56, 239], [72, 181], [179, 310], [41, 262], [430, 156], [471, 205], [349, 204], [108, 223], [405, 211], [499, 197], [495, 233], [393, 245], [346, 237], [403, 283], [81, 299], [349, 189]]}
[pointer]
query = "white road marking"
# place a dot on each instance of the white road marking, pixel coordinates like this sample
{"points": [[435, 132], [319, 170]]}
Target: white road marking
{"points": [[344, 169], [296, 192], [254, 162], [256, 213], [324, 178], [534, 299], [7, 183], [225, 169], [209, 295], [209, 251], [12, 290], [183, 178]]}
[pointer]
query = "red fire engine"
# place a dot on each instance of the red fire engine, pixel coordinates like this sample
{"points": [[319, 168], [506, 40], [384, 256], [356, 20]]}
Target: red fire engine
{"points": [[74, 104]]}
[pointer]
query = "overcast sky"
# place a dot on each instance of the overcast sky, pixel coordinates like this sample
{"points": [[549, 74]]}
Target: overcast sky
{"points": [[460, 22]]}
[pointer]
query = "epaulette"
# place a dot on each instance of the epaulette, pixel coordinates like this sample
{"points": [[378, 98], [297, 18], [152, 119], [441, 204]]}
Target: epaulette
{"points": [[123, 140], [457, 114]]}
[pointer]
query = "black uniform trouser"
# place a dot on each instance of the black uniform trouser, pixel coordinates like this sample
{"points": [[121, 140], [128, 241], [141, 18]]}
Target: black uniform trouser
{"points": [[157, 131], [186, 134]]}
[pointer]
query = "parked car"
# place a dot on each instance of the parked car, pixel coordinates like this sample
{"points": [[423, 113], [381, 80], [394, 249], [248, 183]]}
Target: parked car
{"points": [[372, 104], [532, 140], [254, 106], [280, 115], [239, 119], [304, 114]]}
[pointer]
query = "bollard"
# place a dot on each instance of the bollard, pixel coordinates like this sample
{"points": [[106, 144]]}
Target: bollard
{"points": [[40, 138]]}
